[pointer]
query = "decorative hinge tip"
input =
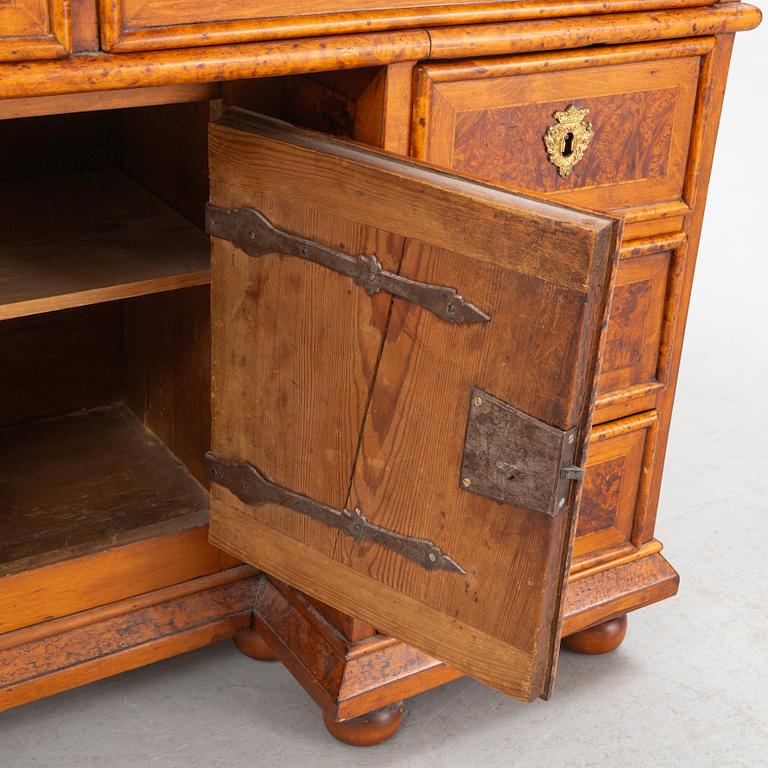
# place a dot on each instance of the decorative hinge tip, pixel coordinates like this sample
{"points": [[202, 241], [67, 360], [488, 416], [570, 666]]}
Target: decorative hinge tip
{"points": [[255, 235], [251, 487]]}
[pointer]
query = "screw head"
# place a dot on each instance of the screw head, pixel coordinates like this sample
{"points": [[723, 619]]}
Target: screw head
{"points": [[561, 503], [432, 557], [477, 401], [571, 438], [466, 482]]}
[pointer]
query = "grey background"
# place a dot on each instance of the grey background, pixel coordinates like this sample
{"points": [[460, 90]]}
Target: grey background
{"points": [[689, 684]]}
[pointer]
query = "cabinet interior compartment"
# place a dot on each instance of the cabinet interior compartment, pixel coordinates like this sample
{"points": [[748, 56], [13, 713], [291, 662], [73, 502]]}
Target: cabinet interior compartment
{"points": [[104, 330], [104, 426], [104, 309], [97, 207]]}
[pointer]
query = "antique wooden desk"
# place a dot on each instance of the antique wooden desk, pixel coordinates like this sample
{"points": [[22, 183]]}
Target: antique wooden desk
{"points": [[344, 402]]}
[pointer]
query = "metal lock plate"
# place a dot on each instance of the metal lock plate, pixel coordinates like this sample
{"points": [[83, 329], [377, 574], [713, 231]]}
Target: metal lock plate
{"points": [[513, 458]]}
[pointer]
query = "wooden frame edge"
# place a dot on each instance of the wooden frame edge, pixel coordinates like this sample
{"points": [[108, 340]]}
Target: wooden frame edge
{"points": [[57, 44], [120, 636], [119, 36], [98, 72]]}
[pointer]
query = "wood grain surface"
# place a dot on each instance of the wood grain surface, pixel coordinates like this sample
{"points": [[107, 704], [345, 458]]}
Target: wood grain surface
{"points": [[289, 336], [35, 29], [80, 483], [646, 301], [89, 645], [86, 238], [60, 362], [613, 591], [488, 121], [346, 678], [52, 356], [554, 34], [105, 100], [130, 25], [613, 498], [115, 573], [314, 54]]}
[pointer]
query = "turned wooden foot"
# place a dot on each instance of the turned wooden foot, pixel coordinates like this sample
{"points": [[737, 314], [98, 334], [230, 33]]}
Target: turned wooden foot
{"points": [[602, 638], [251, 644], [367, 730]]}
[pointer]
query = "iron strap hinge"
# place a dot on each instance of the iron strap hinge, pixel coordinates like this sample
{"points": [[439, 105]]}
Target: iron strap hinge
{"points": [[252, 488], [514, 458], [254, 234]]}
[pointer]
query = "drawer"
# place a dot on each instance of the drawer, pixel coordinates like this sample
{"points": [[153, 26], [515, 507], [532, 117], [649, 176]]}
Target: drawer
{"points": [[131, 25], [34, 29], [613, 512], [646, 297], [624, 114]]}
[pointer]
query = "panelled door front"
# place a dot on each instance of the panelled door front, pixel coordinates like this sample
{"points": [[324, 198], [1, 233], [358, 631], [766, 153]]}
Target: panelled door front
{"points": [[404, 366]]}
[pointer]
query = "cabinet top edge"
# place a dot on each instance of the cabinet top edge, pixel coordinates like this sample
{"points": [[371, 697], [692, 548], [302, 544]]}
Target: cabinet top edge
{"points": [[94, 72], [349, 151]]}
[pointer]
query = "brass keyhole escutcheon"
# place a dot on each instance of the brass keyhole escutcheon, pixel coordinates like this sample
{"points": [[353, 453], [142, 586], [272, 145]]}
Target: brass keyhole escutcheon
{"points": [[567, 140]]}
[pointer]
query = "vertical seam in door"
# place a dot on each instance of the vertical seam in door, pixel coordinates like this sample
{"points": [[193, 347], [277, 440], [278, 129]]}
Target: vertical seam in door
{"points": [[368, 400]]}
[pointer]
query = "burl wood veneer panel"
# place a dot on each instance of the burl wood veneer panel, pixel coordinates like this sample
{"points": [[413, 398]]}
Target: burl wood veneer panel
{"points": [[644, 311], [60, 362], [152, 24], [128, 25], [34, 29], [487, 119], [87, 481], [614, 498], [637, 308], [149, 13]]}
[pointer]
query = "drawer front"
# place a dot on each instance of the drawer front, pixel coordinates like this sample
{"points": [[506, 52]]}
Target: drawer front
{"points": [[34, 29], [492, 120], [614, 511], [154, 24], [128, 25], [641, 324]]}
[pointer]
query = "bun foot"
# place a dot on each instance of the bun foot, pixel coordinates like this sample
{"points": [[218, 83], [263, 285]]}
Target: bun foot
{"points": [[367, 730], [602, 638], [251, 644]]}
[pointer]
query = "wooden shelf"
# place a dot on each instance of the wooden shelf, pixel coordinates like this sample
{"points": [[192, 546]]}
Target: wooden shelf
{"points": [[67, 241], [80, 483]]}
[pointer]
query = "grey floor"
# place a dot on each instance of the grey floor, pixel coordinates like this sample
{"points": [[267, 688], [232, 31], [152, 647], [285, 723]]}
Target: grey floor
{"points": [[687, 688]]}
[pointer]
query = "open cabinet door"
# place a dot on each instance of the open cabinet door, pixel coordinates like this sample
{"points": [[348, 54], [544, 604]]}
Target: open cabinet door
{"points": [[404, 366]]}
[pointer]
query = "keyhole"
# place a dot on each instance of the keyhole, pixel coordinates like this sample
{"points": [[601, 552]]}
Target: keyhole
{"points": [[568, 144], [510, 470]]}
